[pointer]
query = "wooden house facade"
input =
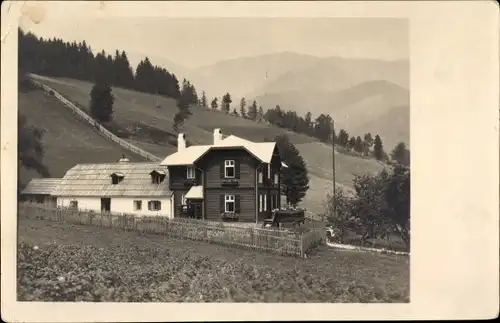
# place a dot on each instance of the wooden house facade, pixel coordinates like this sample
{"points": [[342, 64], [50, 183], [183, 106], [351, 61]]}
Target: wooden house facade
{"points": [[233, 179]]}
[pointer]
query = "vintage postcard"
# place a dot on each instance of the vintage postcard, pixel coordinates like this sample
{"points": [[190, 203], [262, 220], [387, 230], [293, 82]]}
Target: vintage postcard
{"points": [[205, 161]]}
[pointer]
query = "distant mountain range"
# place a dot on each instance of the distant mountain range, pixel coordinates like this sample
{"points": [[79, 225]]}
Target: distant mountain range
{"points": [[362, 95]]}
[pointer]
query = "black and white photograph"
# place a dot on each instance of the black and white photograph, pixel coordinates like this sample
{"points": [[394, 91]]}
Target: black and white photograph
{"points": [[204, 159]]}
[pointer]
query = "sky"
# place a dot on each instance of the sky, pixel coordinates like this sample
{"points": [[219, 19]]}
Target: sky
{"points": [[197, 41]]}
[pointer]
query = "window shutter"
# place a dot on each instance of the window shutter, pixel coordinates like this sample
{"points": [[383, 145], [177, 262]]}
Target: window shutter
{"points": [[237, 169], [237, 204], [149, 205], [222, 203], [222, 170]]}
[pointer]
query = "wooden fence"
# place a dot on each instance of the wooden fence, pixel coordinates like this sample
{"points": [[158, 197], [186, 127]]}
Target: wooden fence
{"points": [[284, 242], [105, 132]]}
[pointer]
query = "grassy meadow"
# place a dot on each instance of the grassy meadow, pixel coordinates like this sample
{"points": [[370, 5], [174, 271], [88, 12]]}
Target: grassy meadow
{"points": [[67, 139]]}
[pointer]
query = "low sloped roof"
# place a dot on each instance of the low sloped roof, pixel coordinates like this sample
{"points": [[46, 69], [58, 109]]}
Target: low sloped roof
{"points": [[261, 150], [195, 192], [94, 180], [41, 186]]}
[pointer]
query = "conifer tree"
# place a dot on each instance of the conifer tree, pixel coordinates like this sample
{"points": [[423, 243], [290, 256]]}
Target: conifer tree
{"points": [[243, 112], [378, 148], [343, 138], [214, 104], [401, 154], [352, 143], [252, 111], [294, 179], [203, 102], [260, 114], [225, 105], [101, 101], [358, 146]]}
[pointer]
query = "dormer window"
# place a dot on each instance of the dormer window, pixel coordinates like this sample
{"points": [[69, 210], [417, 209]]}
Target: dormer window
{"points": [[116, 178], [190, 172], [157, 176]]}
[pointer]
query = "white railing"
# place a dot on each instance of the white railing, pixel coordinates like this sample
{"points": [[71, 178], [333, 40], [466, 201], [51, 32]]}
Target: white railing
{"points": [[105, 132]]}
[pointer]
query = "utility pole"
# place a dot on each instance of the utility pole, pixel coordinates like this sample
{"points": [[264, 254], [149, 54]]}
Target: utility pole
{"points": [[333, 168]]}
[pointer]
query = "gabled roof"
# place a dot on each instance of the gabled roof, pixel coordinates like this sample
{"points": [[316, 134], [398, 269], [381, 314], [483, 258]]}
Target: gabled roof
{"points": [[186, 156], [94, 180], [263, 151], [41, 186]]}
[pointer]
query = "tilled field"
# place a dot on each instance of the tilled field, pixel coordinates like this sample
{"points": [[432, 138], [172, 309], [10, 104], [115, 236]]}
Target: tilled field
{"points": [[64, 262]]}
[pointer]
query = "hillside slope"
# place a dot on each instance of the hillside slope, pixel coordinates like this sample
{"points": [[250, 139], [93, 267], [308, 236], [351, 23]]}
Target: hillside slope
{"points": [[334, 74], [135, 109], [243, 75], [67, 140]]}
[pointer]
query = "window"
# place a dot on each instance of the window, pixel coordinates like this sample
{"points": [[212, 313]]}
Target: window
{"points": [[190, 172], [116, 178], [274, 202], [73, 204], [260, 202], [261, 176], [183, 199], [276, 178], [269, 170], [157, 176], [229, 169], [265, 202], [229, 203], [154, 205], [137, 205]]}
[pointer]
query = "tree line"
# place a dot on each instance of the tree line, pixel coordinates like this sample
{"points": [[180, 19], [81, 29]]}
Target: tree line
{"points": [[56, 58]]}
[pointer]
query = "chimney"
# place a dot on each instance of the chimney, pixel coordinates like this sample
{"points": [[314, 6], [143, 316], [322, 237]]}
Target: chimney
{"points": [[124, 159], [217, 136], [181, 142]]}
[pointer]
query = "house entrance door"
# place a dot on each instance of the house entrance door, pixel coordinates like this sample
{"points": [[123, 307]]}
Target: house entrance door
{"points": [[105, 204], [195, 209]]}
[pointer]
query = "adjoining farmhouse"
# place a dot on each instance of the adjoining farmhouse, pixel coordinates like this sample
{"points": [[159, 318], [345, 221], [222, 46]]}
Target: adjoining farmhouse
{"points": [[231, 179], [123, 187]]}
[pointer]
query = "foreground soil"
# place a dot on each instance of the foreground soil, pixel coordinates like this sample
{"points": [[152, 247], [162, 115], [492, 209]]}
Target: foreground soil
{"points": [[65, 262]]}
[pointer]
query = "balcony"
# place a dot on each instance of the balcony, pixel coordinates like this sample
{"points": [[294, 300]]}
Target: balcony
{"points": [[268, 182], [230, 182], [189, 182]]}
